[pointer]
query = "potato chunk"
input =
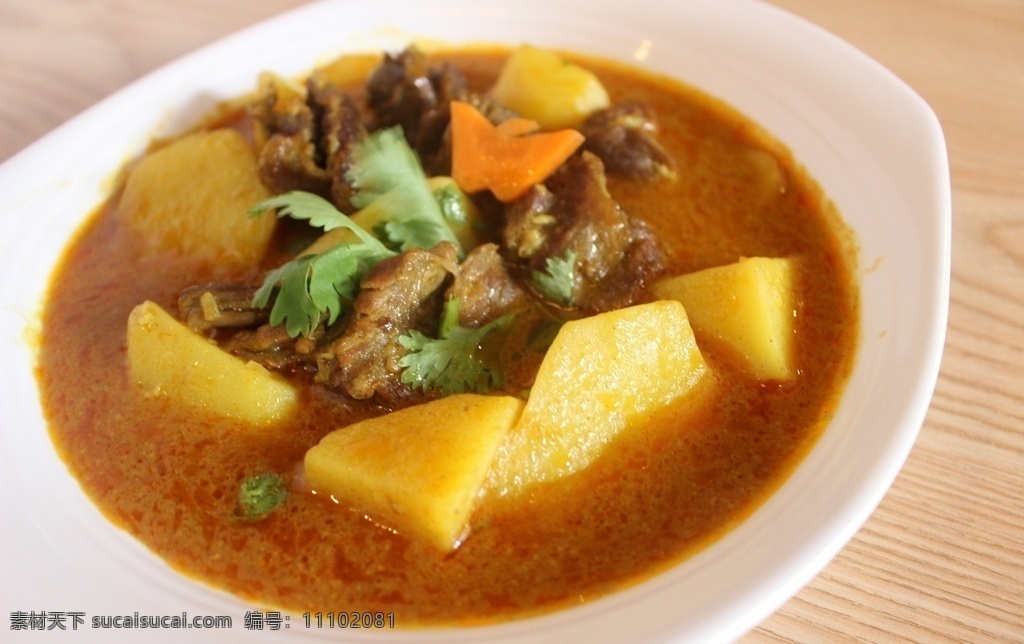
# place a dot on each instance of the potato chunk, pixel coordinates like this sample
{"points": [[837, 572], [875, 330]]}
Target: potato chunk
{"points": [[541, 85], [601, 377], [193, 196], [418, 469], [351, 69], [169, 359], [748, 305]]}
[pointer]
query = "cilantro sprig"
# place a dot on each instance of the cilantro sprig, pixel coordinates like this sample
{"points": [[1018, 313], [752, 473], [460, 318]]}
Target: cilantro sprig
{"points": [[319, 212], [312, 285], [557, 281], [387, 174], [451, 362]]}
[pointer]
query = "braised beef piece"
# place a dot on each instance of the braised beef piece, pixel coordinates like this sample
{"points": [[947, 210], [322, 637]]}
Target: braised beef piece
{"points": [[271, 347], [529, 222], [624, 136], [393, 94], [342, 129], [310, 138], [573, 211], [288, 160], [397, 295], [225, 312], [404, 91], [214, 306], [485, 288], [286, 163], [398, 92]]}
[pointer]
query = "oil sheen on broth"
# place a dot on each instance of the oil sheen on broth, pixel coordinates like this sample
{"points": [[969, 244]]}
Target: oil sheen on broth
{"points": [[170, 476]]}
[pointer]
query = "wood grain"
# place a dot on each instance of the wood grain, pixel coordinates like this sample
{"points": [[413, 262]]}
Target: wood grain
{"points": [[942, 559]]}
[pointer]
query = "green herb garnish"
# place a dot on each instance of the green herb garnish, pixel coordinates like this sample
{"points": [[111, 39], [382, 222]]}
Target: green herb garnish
{"points": [[451, 362], [557, 281], [312, 285], [259, 495], [319, 212], [387, 174]]}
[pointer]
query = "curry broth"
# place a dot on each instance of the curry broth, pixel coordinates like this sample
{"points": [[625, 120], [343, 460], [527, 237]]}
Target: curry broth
{"points": [[170, 476]]}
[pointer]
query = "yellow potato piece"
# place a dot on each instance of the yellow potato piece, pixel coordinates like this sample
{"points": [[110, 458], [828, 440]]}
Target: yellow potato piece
{"points": [[351, 69], [192, 197], [169, 359], [541, 85], [601, 377], [417, 470], [748, 305]]}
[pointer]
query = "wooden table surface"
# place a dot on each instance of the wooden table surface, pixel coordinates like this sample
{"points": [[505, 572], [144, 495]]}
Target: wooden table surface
{"points": [[942, 559]]}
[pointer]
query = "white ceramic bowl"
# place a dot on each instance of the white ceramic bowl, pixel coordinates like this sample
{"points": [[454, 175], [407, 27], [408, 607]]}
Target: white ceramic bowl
{"points": [[873, 144]]}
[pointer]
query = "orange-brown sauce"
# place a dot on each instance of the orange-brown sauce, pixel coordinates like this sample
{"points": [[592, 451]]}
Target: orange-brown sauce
{"points": [[170, 476]]}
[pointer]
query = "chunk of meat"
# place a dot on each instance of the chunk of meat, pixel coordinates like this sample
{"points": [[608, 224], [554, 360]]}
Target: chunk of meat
{"points": [[397, 295], [574, 214], [271, 347], [214, 306], [485, 288], [280, 107], [624, 136], [310, 137], [342, 128], [225, 313], [399, 92], [288, 158], [529, 221], [286, 163], [403, 91]]}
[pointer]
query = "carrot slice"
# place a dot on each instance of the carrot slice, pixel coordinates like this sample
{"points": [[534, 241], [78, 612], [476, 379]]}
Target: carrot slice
{"points": [[504, 159], [516, 126]]}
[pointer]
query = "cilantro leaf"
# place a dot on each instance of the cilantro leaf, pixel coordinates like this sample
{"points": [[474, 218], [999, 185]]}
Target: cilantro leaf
{"points": [[312, 208], [387, 174], [309, 286], [451, 362], [557, 281], [312, 285], [259, 495]]}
